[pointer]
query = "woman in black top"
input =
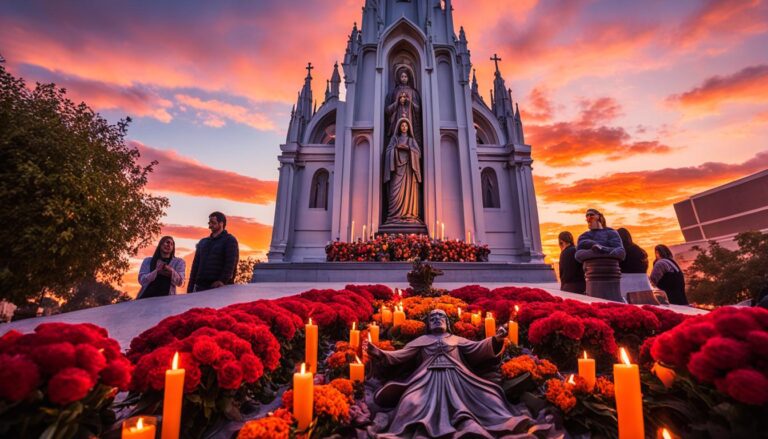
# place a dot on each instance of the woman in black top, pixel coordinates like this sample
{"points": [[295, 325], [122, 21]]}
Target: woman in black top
{"points": [[668, 276], [637, 259], [160, 274]]}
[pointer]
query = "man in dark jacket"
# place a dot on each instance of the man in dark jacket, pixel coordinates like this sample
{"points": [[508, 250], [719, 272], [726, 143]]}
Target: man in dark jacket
{"points": [[216, 257], [571, 271]]}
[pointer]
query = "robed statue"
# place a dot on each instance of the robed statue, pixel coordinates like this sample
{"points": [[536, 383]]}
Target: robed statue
{"points": [[439, 391], [404, 103], [402, 176]]}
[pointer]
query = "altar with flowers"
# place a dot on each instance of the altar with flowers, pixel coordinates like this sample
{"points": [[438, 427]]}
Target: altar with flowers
{"points": [[296, 366]]}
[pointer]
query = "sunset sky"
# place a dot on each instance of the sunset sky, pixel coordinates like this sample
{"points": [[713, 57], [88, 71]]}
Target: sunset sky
{"points": [[629, 106]]}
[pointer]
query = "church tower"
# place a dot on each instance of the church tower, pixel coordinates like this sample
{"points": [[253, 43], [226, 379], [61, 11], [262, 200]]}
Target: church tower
{"points": [[467, 164]]}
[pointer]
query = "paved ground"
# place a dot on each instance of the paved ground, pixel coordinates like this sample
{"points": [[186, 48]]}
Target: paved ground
{"points": [[126, 320]]}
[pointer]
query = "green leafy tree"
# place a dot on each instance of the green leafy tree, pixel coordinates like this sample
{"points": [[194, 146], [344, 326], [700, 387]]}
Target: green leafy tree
{"points": [[719, 276], [72, 192], [90, 293], [244, 272]]}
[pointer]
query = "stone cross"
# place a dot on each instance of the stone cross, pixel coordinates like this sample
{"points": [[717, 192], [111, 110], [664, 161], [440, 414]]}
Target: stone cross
{"points": [[309, 69], [496, 60]]}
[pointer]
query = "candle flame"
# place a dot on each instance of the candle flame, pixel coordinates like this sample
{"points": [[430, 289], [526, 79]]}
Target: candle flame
{"points": [[458, 310], [303, 368], [517, 308], [310, 320], [358, 359], [585, 355], [625, 357], [140, 424], [488, 315], [353, 326], [175, 362], [570, 380], [665, 434]]}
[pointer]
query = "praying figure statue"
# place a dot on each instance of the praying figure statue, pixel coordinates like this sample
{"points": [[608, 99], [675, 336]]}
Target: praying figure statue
{"points": [[404, 103], [402, 176], [440, 392]]}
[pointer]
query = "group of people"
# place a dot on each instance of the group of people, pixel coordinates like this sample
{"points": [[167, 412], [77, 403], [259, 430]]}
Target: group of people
{"points": [[214, 266], [600, 239]]}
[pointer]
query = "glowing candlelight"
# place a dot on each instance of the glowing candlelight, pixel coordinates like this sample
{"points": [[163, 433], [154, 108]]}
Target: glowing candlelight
{"points": [[571, 381], [139, 427], [442, 234], [356, 370], [490, 325], [386, 315], [174, 390], [303, 397], [399, 316], [587, 370], [365, 236], [476, 318], [310, 346], [665, 434], [458, 312], [373, 333], [354, 337], [665, 374], [352, 232], [629, 399]]}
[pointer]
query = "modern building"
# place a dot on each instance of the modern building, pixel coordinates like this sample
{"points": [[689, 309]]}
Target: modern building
{"points": [[721, 213]]}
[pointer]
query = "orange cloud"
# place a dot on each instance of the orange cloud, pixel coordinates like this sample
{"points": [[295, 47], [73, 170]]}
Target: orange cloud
{"points": [[214, 110], [571, 143], [749, 84], [647, 189], [539, 106], [724, 19], [180, 174]]}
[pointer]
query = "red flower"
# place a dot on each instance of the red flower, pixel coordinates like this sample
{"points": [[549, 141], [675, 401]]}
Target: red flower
{"points": [[205, 350], [54, 357], [735, 324], [8, 339], [560, 322], [252, 368], [69, 385], [230, 375], [90, 359], [18, 377], [748, 386], [117, 374], [718, 354]]}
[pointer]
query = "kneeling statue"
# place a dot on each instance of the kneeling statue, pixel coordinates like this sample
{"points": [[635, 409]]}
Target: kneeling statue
{"points": [[440, 393]]}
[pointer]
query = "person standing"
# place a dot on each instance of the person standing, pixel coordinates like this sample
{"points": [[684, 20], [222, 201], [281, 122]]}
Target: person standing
{"points": [[637, 259], [216, 257], [667, 275], [162, 272], [600, 240], [571, 271]]}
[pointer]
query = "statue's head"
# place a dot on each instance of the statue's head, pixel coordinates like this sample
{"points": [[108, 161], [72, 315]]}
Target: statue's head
{"points": [[404, 126], [403, 77], [437, 322]]}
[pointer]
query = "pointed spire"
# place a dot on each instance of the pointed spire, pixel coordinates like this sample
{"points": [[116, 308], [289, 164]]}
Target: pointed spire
{"points": [[475, 89], [335, 81], [327, 90], [496, 60], [315, 110], [462, 35]]}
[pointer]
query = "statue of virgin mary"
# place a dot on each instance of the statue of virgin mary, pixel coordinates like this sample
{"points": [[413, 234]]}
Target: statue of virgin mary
{"points": [[402, 176]]}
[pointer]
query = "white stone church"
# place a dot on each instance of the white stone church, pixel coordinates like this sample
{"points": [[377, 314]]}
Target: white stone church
{"points": [[472, 165]]}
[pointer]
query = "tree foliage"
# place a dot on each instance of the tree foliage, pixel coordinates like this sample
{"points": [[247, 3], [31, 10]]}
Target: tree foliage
{"points": [[720, 276], [90, 293], [72, 192], [244, 272]]}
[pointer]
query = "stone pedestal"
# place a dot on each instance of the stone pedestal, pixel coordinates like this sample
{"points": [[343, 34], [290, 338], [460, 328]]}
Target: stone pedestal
{"points": [[603, 277]]}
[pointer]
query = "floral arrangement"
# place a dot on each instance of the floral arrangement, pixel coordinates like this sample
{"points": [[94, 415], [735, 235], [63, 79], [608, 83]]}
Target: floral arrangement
{"points": [[539, 369], [417, 307], [279, 424], [585, 410], [337, 364], [400, 247], [59, 381]]}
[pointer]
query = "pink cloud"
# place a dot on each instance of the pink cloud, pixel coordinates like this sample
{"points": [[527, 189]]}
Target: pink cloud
{"points": [[214, 111], [748, 85]]}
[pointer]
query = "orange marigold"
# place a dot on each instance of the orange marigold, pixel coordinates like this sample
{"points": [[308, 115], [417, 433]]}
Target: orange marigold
{"points": [[545, 368], [385, 345], [284, 414], [412, 328], [337, 359], [580, 386], [559, 394], [332, 403], [270, 427], [604, 387], [344, 386], [517, 366]]}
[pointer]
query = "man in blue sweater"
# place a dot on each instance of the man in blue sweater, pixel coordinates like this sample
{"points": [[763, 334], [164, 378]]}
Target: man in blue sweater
{"points": [[599, 240], [216, 257]]}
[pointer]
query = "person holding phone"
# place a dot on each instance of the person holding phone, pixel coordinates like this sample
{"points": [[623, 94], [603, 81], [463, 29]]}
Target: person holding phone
{"points": [[161, 273]]}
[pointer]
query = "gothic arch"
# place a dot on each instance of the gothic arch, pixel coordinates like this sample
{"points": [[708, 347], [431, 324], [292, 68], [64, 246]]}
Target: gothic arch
{"points": [[490, 187], [484, 129], [318, 191], [323, 131]]}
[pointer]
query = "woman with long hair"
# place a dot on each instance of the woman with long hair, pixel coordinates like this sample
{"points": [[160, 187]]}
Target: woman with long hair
{"points": [[667, 275], [161, 273], [634, 268]]}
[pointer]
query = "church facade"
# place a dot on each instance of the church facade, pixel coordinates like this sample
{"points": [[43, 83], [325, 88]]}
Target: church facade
{"points": [[411, 147]]}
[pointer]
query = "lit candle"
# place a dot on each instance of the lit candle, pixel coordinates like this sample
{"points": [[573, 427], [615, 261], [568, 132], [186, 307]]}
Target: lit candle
{"points": [[587, 370], [311, 346], [356, 370], [303, 396], [174, 389], [352, 232], [468, 237], [442, 234], [571, 381], [354, 337], [664, 434], [513, 332], [665, 374], [386, 315], [399, 316], [458, 312], [373, 333], [437, 233], [139, 427], [476, 318], [490, 325], [365, 236], [629, 400]]}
